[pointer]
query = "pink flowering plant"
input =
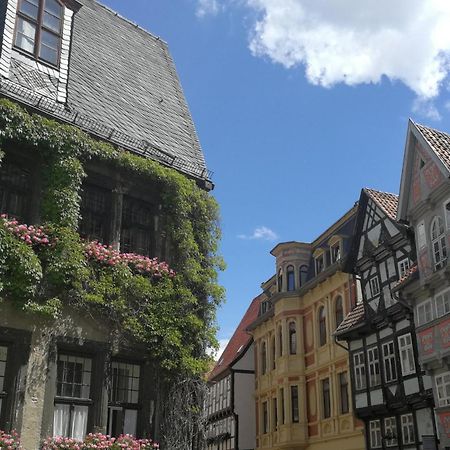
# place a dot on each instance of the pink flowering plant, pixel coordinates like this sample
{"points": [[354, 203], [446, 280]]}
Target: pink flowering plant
{"points": [[29, 234], [99, 441], [9, 441]]}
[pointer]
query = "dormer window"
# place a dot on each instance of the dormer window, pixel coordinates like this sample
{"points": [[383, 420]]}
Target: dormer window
{"points": [[39, 29], [320, 264], [335, 252]]}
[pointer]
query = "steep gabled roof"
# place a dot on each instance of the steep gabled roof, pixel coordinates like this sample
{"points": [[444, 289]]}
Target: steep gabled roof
{"points": [[354, 318], [386, 201], [240, 340], [438, 141]]}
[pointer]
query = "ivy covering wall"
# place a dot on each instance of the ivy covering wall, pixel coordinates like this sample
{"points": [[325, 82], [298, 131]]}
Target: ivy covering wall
{"points": [[171, 312]]}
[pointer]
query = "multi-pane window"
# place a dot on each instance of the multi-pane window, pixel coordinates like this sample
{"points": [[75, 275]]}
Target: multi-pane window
{"points": [[442, 303], [265, 418], [343, 392], [407, 424], [124, 398], [14, 190], [375, 433], [39, 29], [263, 358], [339, 310], [360, 370], [283, 414], [390, 431], [443, 388], [390, 368], [137, 227], [3, 355], [438, 242], [303, 275], [322, 326], [294, 404], [290, 275], [273, 353], [374, 366], [73, 385], [320, 264], [403, 267], [326, 398], [406, 354], [374, 286], [292, 339], [424, 312], [335, 252], [275, 413], [95, 204]]}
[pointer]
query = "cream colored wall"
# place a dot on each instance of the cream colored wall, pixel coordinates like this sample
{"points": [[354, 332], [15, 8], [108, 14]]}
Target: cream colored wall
{"points": [[306, 369]]}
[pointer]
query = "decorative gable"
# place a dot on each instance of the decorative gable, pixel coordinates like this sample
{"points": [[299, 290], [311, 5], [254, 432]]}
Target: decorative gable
{"points": [[32, 69]]}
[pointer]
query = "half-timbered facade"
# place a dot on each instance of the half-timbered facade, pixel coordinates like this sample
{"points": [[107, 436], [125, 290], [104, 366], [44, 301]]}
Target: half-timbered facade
{"points": [[391, 393], [229, 406], [302, 390], [425, 205]]}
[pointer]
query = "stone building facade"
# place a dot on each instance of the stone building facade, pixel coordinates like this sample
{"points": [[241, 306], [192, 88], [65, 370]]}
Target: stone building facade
{"points": [[302, 386]]}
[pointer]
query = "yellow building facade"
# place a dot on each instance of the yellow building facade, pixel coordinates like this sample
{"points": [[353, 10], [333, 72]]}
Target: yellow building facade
{"points": [[302, 383]]}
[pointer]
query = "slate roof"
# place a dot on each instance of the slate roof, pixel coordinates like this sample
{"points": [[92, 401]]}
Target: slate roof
{"points": [[123, 87], [353, 318], [438, 141], [388, 202], [240, 340]]}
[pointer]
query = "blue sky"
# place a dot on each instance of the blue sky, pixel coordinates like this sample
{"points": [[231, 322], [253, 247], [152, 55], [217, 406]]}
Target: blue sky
{"points": [[298, 105]]}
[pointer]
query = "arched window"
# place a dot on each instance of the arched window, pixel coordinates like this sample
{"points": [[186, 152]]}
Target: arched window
{"points": [[273, 353], [339, 310], [438, 242], [280, 280], [322, 326], [39, 29], [290, 275], [263, 358], [303, 273], [292, 339], [280, 341]]}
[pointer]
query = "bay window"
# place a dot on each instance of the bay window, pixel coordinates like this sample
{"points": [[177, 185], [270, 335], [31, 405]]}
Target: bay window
{"points": [[294, 404], [442, 303], [443, 388], [438, 242]]}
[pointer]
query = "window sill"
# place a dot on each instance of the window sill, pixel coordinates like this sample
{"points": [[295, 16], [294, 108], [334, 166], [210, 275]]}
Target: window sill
{"points": [[70, 400]]}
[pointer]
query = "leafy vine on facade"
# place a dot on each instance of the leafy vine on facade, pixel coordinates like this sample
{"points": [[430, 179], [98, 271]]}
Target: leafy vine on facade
{"points": [[48, 267]]}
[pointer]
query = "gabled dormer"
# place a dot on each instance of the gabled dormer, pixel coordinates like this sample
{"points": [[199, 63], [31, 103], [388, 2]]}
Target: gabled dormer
{"points": [[35, 45]]}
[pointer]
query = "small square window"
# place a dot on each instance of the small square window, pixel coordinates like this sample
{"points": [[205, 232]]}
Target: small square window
{"points": [[403, 267], [374, 286]]}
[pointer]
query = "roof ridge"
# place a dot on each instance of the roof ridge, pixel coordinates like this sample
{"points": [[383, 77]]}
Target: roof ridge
{"points": [[380, 192], [134, 24], [432, 129]]}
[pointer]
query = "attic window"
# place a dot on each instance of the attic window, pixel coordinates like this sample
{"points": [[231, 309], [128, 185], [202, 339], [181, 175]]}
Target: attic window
{"points": [[39, 29]]}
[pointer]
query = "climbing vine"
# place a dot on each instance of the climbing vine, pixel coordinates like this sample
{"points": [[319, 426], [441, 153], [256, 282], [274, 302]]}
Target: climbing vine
{"points": [[170, 310]]}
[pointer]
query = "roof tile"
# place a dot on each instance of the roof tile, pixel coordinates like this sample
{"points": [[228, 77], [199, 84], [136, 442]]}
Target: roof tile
{"points": [[353, 318], [388, 202], [438, 141]]}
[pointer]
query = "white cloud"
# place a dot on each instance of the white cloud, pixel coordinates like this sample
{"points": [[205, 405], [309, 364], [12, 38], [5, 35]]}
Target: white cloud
{"points": [[263, 233], [208, 8], [426, 108], [354, 41]]}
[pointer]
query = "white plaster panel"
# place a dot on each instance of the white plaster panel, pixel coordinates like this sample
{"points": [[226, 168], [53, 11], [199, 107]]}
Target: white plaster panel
{"points": [[392, 229], [424, 422], [402, 324], [427, 383], [245, 409], [376, 397], [374, 235], [354, 345], [361, 400], [374, 304], [371, 339], [385, 332], [388, 299], [383, 273], [411, 386], [246, 362], [392, 270], [361, 247]]}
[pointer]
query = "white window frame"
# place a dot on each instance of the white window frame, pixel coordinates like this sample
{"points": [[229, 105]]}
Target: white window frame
{"points": [[408, 434], [438, 243], [445, 308], [359, 370], [403, 266], [424, 312], [333, 247], [375, 433], [316, 263], [443, 388], [406, 351], [390, 428], [389, 361], [373, 363], [421, 235], [374, 284]]}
